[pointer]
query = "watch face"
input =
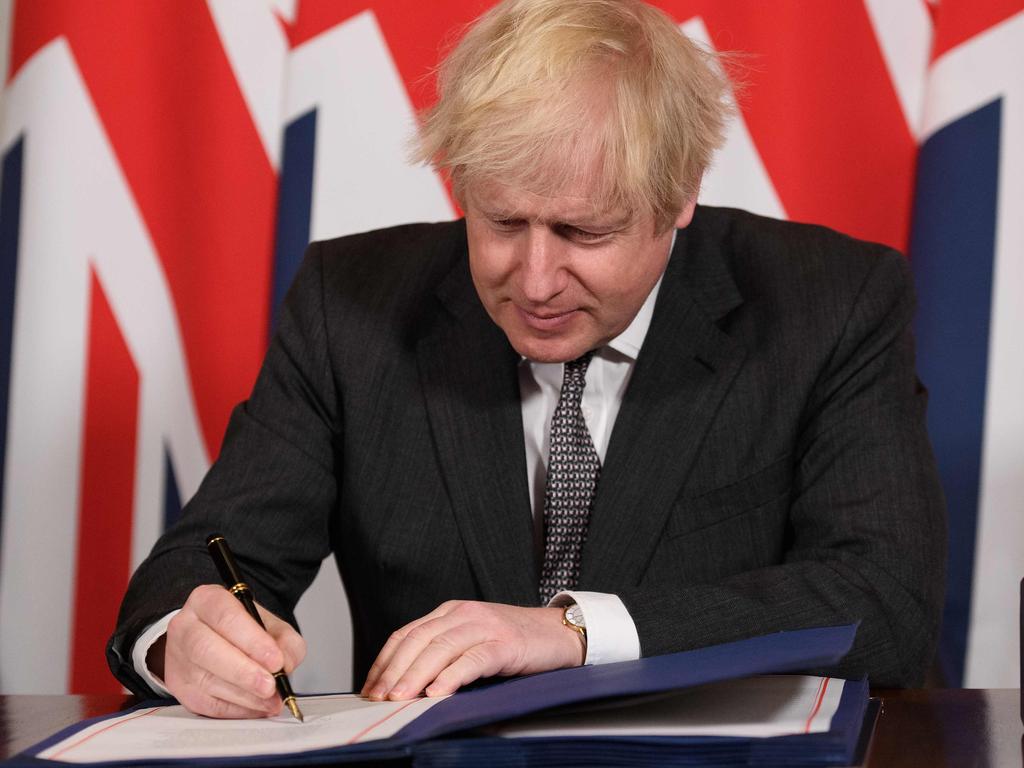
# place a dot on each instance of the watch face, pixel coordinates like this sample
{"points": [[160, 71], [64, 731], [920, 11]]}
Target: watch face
{"points": [[574, 615]]}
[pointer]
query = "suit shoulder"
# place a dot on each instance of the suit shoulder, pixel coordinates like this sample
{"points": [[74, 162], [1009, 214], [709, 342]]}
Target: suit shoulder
{"points": [[378, 284], [393, 253], [767, 255]]}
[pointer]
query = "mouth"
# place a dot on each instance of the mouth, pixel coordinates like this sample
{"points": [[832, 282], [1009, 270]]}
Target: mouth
{"points": [[546, 321]]}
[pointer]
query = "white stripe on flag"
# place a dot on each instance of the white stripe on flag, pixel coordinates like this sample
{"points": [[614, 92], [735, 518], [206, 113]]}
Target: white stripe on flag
{"points": [[256, 46], [46, 103], [364, 115], [904, 34], [993, 652]]}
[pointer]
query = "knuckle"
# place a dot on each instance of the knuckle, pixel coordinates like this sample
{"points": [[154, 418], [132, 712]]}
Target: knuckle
{"points": [[205, 594], [474, 611], [204, 680], [480, 655], [177, 626], [229, 618], [444, 641], [419, 635], [396, 637], [198, 645]]}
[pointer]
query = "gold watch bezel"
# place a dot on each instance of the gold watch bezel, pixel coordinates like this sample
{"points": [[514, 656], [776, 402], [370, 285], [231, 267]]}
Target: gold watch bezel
{"points": [[571, 624]]}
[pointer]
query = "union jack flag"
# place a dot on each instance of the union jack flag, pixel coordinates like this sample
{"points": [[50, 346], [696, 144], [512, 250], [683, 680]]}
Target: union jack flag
{"points": [[163, 165]]}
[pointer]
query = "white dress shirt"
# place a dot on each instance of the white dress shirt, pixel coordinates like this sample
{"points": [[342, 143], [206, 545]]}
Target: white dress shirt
{"points": [[611, 633]]}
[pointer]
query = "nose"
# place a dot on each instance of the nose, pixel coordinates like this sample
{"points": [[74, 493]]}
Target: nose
{"points": [[542, 270]]}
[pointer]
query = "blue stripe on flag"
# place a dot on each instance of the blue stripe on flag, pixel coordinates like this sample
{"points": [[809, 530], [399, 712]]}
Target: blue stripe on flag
{"points": [[295, 197], [10, 224], [172, 498], [952, 249]]}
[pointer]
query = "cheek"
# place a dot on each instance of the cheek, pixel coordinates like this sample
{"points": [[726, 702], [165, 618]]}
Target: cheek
{"points": [[621, 284], [489, 263]]}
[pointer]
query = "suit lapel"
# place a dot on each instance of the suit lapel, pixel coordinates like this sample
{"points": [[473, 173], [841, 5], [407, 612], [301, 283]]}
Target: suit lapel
{"points": [[470, 384], [684, 369]]}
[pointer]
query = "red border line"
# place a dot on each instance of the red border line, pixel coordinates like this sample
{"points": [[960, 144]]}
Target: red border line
{"points": [[384, 719], [82, 741], [822, 687]]}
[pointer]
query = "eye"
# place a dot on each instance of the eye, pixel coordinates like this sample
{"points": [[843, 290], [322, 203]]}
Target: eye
{"points": [[579, 235], [506, 225]]}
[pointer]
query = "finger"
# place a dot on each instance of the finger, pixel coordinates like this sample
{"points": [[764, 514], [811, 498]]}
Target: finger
{"points": [[219, 688], [225, 615], [405, 652], [291, 643], [202, 703], [204, 648], [428, 650], [482, 660], [472, 643], [387, 653]]}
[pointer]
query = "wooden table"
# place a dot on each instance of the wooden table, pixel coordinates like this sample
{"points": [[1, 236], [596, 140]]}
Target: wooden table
{"points": [[932, 728]]}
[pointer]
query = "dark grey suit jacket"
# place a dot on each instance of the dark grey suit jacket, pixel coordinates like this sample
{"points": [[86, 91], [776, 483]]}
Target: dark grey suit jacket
{"points": [[769, 467]]}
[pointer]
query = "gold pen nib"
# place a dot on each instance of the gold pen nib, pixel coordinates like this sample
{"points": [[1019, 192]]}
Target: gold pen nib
{"points": [[294, 709]]}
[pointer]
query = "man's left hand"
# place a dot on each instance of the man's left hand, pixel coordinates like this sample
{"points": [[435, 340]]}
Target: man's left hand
{"points": [[461, 641]]}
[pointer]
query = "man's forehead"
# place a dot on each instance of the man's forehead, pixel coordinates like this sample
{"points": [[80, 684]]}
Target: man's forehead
{"points": [[576, 204]]}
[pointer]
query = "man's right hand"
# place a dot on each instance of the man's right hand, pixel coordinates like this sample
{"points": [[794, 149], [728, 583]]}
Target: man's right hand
{"points": [[218, 662]]}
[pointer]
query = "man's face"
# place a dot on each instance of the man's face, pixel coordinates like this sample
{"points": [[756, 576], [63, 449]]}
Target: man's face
{"points": [[561, 275]]}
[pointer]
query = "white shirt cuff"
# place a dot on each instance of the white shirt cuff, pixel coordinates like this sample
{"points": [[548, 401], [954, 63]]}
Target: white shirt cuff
{"points": [[142, 645], [611, 633]]}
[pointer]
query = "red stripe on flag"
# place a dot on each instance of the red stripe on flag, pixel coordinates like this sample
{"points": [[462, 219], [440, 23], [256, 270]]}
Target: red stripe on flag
{"points": [[821, 109], [105, 511], [181, 130], [957, 21]]}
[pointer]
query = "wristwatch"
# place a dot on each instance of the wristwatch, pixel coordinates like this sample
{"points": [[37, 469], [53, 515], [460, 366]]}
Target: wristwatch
{"points": [[572, 617]]}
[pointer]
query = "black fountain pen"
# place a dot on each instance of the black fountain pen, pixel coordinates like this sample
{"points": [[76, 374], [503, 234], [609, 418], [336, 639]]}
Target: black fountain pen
{"points": [[232, 577]]}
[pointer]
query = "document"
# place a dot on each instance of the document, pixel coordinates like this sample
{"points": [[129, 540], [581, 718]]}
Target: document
{"points": [[172, 732], [757, 707], [720, 705]]}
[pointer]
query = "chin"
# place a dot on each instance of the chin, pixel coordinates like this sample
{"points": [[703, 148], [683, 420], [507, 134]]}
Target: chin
{"points": [[549, 350]]}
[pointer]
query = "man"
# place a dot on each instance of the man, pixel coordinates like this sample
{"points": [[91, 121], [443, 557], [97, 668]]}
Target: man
{"points": [[694, 425]]}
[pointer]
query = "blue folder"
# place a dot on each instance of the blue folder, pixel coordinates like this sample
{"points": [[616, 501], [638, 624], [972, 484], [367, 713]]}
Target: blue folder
{"points": [[445, 735]]}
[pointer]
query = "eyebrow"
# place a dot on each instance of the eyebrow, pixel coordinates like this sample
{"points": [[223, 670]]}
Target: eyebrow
{"points": [[584, 221]]}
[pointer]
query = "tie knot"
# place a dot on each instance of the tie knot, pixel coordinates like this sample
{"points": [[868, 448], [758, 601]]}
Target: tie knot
{"points": [[576, 370], [574, 379]]}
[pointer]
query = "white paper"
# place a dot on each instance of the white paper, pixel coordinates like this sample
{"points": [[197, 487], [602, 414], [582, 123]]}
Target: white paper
{"points": [[174, 732], [752, 707]]}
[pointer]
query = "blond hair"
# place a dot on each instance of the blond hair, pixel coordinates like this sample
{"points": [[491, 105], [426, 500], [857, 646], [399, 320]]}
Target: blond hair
{"points": [[537, 89]]}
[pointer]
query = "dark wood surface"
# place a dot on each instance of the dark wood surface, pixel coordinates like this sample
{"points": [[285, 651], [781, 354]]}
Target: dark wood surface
{"points": [[933, 728]]}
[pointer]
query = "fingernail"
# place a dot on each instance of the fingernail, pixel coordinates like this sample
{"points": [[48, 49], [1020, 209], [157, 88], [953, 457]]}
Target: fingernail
{"points": [[397, 692], [378, 692]]}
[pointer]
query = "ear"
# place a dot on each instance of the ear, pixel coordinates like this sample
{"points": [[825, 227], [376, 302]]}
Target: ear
{"points": [[686, 215]]}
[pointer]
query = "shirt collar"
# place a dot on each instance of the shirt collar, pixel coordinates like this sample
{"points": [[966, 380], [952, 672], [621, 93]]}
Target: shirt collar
{"points": [[628, 342]]}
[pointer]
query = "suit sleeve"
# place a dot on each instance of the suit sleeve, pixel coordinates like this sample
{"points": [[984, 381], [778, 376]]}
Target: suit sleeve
{"points": [[269, 492], [866, 531]]}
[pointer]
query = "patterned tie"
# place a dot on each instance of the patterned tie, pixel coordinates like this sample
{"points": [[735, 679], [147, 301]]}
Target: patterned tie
{"points": [[573, 470]]}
